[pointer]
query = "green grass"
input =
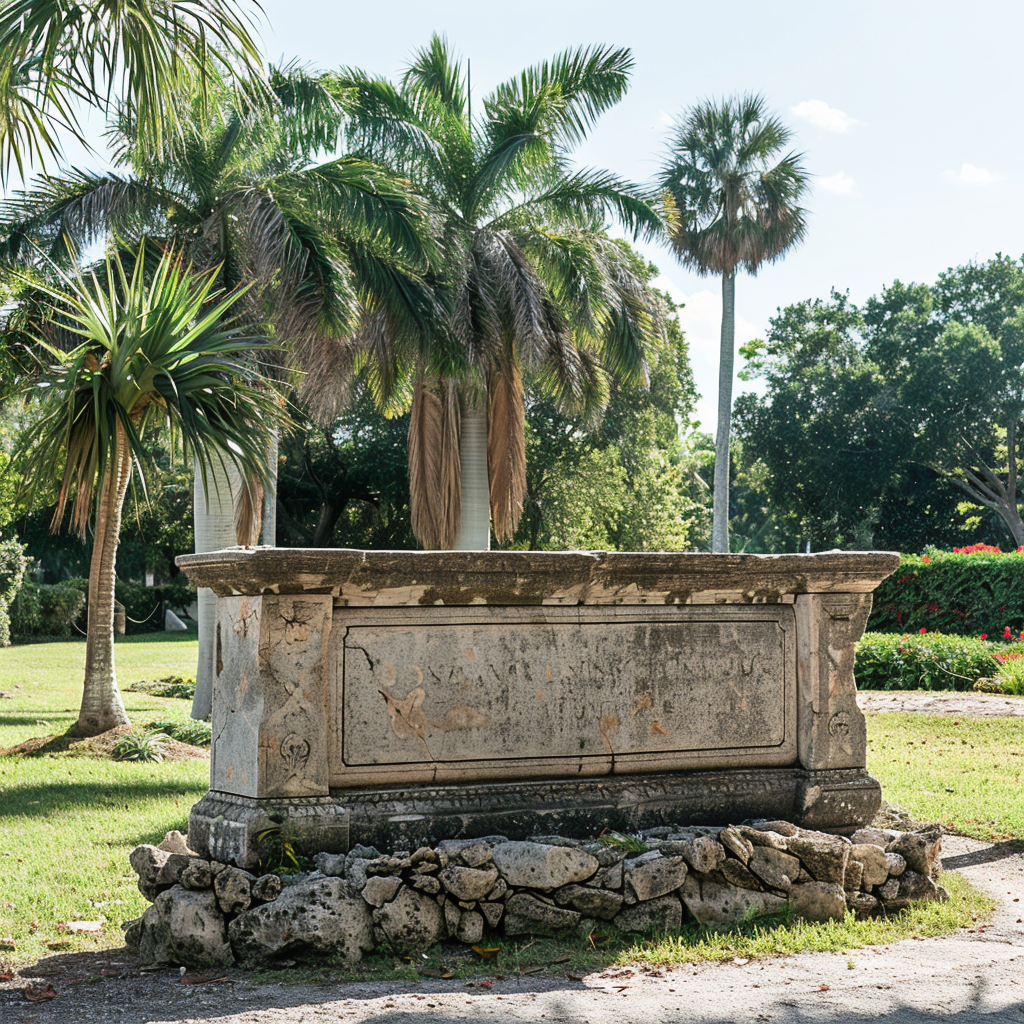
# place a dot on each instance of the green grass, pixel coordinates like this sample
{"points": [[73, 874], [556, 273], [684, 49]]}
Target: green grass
{"points": [[68, 823], [967, 773]]}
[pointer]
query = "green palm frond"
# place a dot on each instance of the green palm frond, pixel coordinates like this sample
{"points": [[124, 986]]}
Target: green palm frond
{"points": [[154, 349], [87, 51], [434, 73]]}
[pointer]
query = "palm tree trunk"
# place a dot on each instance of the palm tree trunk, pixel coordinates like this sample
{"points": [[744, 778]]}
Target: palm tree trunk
{"points": [[475, 517], [215, 529], [720, 517], [102, 706]]}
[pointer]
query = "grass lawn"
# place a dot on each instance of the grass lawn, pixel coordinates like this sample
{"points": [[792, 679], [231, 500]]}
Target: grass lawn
{"points": [[67, 823], [967, 773]]}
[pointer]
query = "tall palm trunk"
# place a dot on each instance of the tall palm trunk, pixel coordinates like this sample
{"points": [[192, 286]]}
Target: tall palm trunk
{"points": [[720, 516], [215, 529], [475, 518], [102, 706]]}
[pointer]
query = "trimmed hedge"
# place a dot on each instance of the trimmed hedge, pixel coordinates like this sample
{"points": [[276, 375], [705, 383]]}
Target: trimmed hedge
{"points": [[13, 564], [966, 594], [48, 609], [144, 605], [929, 661]]}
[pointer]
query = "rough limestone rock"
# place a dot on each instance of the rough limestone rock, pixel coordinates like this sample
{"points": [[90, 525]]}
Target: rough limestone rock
{"points": [[863, 904], [824, 856], [608, 878], [782, 828], [854, 875], [776, 869], [330, 864], [381, 889], [652, 875], [818, 901], [739, 847], [527, 915], [600, 903], [473, 853], [873, 837], [175, 842], [410, 923], [897, 865], [132, 933], [920, 850], [233, 887], [197, 875], [703, 854], [320, 915], [874, 865], [721, 905], [664, 914], [543, 867], [607, 856], [184, 927], [452, 915], [426, 883], [913, 887], [157, 869], [492, 913], [762, 837], [887, 893], [737, 874], [466, 883], [471, 928], [266, 888]]}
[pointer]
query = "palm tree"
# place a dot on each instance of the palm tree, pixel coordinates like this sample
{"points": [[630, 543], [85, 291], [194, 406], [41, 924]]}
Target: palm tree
{"points": [[149, 351], [736, 207], [322, 244], [531, 281], [55, 54]]}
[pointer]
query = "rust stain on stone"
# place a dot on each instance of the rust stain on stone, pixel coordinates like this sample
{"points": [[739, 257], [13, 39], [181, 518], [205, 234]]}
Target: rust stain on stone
{"points": [[641, 704], [540, 695], [609, 723], [470, 654], [409, 721], [656, 729]]}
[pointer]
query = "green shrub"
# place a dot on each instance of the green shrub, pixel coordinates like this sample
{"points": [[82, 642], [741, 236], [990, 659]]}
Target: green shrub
{"points": [[1009, 676], [188, 730], [929, 661], [140, 746], [965, 594], [13, 563], [169, 686], [48, 609]]}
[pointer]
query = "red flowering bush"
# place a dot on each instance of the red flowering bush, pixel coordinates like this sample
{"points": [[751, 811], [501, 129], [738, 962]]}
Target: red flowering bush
{"points": [[970, 591]]}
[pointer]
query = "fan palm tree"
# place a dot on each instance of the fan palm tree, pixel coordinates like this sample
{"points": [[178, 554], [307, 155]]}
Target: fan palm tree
{"points": [[531, 281], [324, 245], [736, 202], [55, 54], [148, 351]]}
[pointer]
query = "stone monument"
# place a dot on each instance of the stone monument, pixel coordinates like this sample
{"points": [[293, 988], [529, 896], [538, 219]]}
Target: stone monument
{"points": [[392, 698]]}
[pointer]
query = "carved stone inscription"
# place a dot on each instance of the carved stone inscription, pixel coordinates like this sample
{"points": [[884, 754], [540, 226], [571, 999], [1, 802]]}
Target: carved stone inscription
{"points": [[598, 689]]}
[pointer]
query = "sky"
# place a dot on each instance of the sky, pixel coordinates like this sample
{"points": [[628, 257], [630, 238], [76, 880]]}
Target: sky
{"points": [[908, 115]]}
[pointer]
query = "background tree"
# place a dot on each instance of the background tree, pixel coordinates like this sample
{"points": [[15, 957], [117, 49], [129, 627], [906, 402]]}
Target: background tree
{"points": [[530, 282], [737, 203], [146, 352]]}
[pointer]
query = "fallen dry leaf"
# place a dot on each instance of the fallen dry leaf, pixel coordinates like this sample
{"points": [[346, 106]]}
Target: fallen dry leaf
{"points": [[823, 988], [58, 944], [562, 959], [486, 950], [39, 993]]}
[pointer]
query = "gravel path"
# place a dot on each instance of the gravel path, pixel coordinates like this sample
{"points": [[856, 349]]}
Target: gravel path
{"points": [[968, 978], [918, 702]]}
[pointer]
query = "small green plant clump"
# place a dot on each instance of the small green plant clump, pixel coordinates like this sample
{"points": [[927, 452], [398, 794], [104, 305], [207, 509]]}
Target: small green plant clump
{"points": [[180, 687], [196, 733], [278, 855], [1009, 677], [928, 661], [140, 746]]}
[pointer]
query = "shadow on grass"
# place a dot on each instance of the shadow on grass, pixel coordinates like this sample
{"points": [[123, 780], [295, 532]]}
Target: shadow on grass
{"points": [[40, 800]]}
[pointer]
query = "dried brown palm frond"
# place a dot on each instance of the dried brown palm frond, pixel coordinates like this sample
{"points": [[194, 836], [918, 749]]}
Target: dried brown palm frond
{"points": [[249, 512], [506, 450], [435, 485]]}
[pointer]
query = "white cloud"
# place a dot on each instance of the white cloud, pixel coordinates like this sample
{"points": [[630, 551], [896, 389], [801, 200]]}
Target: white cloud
{"points": [[821, 115], [840, 183], [971, 175], [701, 320]]}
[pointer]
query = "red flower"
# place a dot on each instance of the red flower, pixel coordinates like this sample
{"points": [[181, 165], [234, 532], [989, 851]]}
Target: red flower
{"points": [[922, 630], [1007, 633], [925, 559], [984, 636]]}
